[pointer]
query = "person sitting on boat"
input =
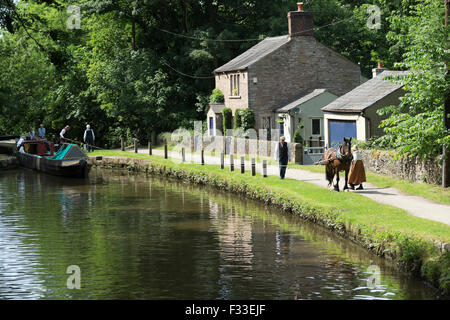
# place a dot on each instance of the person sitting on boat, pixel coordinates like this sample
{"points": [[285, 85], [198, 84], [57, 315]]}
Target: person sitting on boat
{"points": [[62, 133], [20, 144], [41, 131], [89, 138], [31, 134]]}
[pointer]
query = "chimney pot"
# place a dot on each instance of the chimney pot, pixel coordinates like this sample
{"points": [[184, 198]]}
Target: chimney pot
{"points": [[378, 70], [301, 23]]}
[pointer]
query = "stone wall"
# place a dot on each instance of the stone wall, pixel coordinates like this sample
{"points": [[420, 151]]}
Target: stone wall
{"points": [[412, 169], [8, 163]]}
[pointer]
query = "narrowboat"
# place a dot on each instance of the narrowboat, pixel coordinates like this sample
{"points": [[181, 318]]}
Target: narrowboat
{"points": [[69, 161]]}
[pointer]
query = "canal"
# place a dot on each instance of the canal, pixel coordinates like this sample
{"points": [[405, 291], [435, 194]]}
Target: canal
{"points": [[134, 237]]}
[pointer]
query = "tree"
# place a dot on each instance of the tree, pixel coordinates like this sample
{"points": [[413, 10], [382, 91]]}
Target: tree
{"points": [[416, 125]]}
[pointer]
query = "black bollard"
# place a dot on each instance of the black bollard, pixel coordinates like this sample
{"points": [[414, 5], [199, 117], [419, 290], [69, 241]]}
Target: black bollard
{"points": [[242, 165], [222, 161], [253, 167], [231, 162], [166, 153], [150, 147], [203, 157], [265, 168], [135, 146]]}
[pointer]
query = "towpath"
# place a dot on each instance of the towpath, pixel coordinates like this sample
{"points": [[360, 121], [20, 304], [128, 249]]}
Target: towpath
{"points": [[414, 205]]}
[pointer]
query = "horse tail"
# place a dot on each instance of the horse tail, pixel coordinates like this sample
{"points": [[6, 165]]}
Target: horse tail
{"points": [[329, 174]]}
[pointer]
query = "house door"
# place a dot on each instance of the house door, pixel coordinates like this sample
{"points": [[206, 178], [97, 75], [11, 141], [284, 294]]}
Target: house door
{"points": [[340, 129], [211, 126]]}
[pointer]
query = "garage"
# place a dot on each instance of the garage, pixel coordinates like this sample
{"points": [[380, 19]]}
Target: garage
{"points": [[340, 129]]}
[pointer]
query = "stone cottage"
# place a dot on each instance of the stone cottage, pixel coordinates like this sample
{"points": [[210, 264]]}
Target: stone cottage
{"points": [[280, 70], [355, 113]]}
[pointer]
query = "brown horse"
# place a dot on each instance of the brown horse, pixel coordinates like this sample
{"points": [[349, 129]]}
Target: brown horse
{"points": [[337, 160]]}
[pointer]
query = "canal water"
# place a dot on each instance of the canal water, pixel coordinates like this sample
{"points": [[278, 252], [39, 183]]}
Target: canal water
{"points": [[134, 237]]}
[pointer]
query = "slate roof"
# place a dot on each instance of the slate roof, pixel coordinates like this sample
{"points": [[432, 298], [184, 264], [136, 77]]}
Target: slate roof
{"points": [[302, 100], [254, 54], [366, 94]]}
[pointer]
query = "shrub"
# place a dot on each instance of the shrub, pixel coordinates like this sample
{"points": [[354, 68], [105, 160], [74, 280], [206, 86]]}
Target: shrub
{"points": [[298, 137], [238, 119], [227, 119], [247, 119], [217, 96]]}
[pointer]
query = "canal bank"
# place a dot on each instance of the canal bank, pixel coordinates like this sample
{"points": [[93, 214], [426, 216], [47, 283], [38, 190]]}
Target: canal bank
{"points": [[7, 162], [414, 244]]}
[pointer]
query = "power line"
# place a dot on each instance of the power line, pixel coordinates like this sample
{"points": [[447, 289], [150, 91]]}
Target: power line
{"points": [[185, 74], [250, 39], [233, 40]]}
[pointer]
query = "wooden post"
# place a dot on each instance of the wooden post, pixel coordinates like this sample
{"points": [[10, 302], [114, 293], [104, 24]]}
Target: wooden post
{"points": [[242, 165], [253, 167], [135, 146], [122, 144], [150, 147], [222, 161], [166, 153], [231, 162], [265, 168], [203, 157], [183, 154]]}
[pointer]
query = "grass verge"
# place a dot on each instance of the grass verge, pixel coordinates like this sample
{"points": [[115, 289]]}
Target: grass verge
{"points": [[384, 230]]}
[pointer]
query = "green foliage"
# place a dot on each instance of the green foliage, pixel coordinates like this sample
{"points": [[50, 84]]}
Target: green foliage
{"points": [[298, 137], [247, 119], [237, 119], [416, 126], [217, 96], [227, 114]]}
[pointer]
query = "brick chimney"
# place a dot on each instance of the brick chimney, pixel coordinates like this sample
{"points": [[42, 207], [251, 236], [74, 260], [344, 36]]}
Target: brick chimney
{"points": [[300, 22], [378, 70]]}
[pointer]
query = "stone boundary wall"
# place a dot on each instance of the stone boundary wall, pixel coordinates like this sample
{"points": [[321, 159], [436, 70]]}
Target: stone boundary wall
{"points": [[413, 169], [8, 163], [242, 146]]}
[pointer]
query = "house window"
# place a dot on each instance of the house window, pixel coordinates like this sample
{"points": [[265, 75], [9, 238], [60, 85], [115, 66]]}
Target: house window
{"points": [[316, 127], [234, 85]]}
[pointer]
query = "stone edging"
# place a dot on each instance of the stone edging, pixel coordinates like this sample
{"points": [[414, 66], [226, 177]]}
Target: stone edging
{"points": [[8, 163]]}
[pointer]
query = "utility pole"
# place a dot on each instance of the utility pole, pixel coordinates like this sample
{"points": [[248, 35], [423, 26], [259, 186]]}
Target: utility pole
{"points": [[446, 151]]}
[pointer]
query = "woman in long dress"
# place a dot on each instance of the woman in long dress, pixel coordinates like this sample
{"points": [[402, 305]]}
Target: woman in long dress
{"points": [[357, 172]]}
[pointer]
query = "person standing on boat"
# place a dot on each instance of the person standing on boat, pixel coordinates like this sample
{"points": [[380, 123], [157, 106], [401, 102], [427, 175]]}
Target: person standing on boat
{"points": [[62, 133], [89, 138], [283, 156], [41, 131]]}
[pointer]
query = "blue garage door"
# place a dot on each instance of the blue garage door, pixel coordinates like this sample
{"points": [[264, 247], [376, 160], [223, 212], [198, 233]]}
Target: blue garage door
{"points": [[340, 129]]}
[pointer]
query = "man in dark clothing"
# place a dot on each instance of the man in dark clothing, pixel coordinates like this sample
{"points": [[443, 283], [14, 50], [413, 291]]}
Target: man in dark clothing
{"points": [[89, 138], [283, 156]]}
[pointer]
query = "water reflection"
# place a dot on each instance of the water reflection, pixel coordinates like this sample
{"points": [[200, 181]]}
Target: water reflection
{"points": [[148, 238]]}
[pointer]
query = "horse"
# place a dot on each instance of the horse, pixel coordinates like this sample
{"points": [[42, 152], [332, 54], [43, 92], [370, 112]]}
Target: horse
{"points": [[336, 160]]}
